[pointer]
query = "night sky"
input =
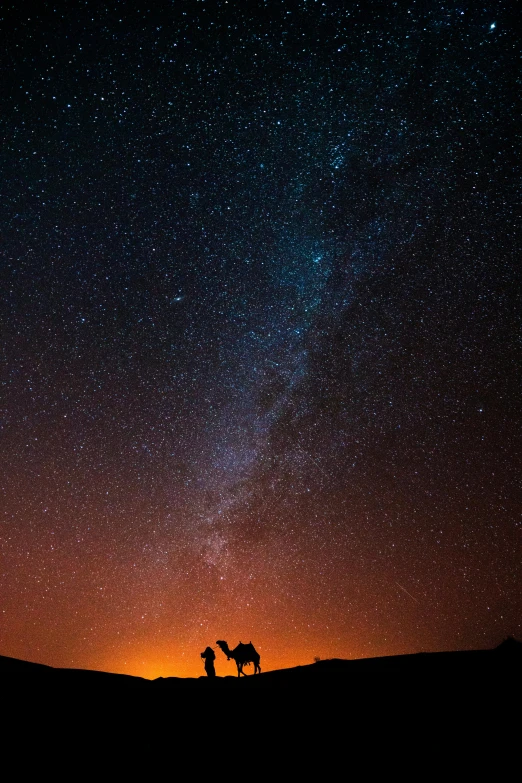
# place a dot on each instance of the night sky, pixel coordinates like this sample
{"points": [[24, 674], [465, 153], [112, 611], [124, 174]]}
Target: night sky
{"points": [[261, 345]]}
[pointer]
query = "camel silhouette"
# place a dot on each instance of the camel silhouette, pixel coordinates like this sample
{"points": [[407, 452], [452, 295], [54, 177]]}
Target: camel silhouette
{"points": [[243, 654]]}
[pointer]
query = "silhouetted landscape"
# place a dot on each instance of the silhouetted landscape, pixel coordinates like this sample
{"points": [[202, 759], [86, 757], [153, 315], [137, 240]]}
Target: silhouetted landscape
{"points": [[504, 660], [76, 716]]}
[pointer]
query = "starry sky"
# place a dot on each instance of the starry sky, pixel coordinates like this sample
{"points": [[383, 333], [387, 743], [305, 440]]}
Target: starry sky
{"points": [[260, 311]]}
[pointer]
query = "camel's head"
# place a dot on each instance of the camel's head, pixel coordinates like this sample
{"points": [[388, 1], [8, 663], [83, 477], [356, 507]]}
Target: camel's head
{"points": [[224, 647]]}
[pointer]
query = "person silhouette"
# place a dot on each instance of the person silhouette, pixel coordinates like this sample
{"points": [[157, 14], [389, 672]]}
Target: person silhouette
{"points": [[209, 656]]}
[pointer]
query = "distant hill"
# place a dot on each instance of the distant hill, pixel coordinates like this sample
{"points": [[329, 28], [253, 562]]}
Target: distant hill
{"points": [[506, 659], [79, 717]]}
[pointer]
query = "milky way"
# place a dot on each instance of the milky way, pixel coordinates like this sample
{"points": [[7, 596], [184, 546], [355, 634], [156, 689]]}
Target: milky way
{"points": [[261, 332]]}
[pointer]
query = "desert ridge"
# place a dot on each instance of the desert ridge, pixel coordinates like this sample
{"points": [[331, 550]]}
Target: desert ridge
{"points": [[504, 660]]}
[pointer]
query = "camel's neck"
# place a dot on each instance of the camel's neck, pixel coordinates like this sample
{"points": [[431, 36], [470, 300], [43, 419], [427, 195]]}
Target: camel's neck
{"points": [[226, 649]]}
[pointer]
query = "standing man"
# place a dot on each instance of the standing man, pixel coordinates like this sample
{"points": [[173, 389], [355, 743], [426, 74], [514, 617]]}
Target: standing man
{"points": [[209, 656]]}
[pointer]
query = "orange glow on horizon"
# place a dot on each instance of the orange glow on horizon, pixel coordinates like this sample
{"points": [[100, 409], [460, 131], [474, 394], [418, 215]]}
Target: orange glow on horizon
{"points": [[153, 661]]}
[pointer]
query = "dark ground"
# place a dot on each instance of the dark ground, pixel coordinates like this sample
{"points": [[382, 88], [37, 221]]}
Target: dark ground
{"points": [[365, 712], [502, 661]]}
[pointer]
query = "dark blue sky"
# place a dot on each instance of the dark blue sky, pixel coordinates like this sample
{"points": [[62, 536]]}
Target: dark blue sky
{"points": [[261, 318]]}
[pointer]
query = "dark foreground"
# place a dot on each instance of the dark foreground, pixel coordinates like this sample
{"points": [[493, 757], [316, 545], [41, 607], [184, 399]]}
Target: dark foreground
{"points": [[502, 661], [346, 707]]}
